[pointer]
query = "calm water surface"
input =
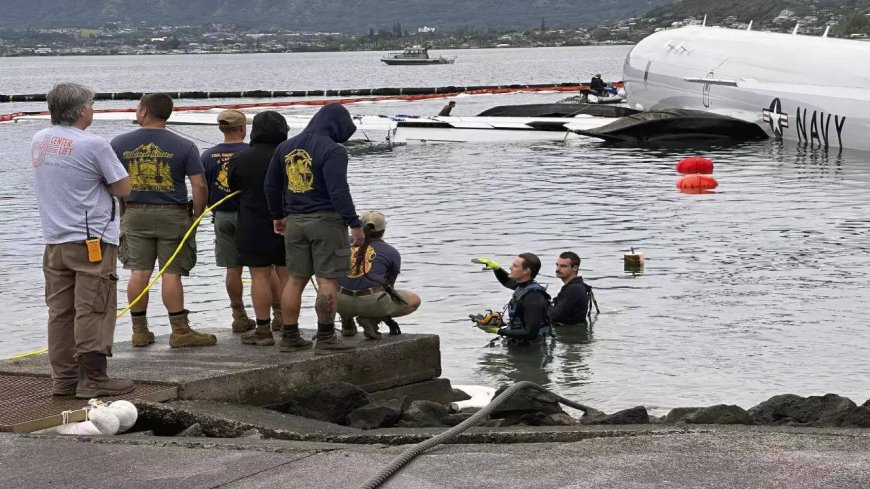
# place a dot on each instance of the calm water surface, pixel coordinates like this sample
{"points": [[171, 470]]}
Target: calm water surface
{"points": [[758, 289]]}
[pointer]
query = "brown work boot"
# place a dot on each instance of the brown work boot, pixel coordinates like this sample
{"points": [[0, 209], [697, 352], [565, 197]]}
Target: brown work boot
{"points": [[277, 317], [141, 335], [259, 337], [329, 343], [293, 342], [65, 388], [348, 326], [95, 382], [183, 336], [241, 321], [370, 327]]}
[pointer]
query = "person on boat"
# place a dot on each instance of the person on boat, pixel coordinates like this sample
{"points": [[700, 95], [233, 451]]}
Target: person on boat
{"points": [[156, 217], [311, 205], [368, 292], [597, 85], [233, 125], [445, 111], [258, 246], [572, 303], [527, 310], [76, 177]]}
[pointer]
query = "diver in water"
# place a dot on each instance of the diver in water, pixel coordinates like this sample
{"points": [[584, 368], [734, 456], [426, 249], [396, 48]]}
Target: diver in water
{"points": [[527, 310]]}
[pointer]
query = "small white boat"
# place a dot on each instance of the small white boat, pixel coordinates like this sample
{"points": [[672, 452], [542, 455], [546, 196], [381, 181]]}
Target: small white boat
{"points": [[417, 55]]}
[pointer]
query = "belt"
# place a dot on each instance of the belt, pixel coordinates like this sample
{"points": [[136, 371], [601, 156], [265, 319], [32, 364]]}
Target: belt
{"points": [[360, 293], [142, 205]]}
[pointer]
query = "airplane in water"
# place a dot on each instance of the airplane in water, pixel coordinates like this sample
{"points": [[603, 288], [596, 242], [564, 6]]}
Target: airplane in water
{"points": [[811, 89]]}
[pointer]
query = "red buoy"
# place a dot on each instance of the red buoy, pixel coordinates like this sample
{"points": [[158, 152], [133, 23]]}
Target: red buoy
{"points": [[697, 182], [695, 164]]}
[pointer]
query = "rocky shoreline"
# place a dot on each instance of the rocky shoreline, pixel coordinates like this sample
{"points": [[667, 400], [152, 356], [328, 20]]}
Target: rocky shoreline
{"points": [[340, 411]]}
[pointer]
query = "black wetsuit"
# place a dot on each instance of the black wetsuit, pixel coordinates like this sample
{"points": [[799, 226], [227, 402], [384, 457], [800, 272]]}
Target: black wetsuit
{"points": [[571, 305], [531, 310]]}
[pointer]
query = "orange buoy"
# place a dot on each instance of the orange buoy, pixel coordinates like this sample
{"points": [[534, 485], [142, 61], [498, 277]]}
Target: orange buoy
{"points": [[697, 182], [695, 164]]}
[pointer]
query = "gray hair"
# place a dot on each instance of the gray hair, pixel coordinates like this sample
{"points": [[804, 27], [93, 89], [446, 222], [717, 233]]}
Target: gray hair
{"points": [[66, 101]]}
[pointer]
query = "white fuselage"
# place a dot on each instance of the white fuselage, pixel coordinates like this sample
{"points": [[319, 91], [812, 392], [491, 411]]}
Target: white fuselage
{"points": [[814, 90]]}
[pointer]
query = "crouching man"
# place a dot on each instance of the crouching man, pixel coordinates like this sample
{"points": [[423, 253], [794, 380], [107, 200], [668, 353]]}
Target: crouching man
{"points": [[367, 292]]}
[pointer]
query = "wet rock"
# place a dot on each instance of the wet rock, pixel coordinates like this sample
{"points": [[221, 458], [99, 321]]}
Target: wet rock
{"points": [[193, 430], [527, 401], [866, 404], [459, 395], [635, 415], [858, 417], [380, 414], [678, 415], [794, 410], [720, 414], [422, 414], [326, 402], [456, 418]]}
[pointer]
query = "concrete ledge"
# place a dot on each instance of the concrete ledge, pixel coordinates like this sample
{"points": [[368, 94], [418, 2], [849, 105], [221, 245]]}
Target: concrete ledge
{"points": [[244, 374], [436, 390]]}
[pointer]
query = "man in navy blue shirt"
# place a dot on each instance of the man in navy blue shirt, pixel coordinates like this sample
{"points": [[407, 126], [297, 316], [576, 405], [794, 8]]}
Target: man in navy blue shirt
{"points": [[310, 203], [367, 291], [232, 124]]}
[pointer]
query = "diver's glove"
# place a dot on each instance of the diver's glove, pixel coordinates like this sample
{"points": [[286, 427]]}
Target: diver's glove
{"points": [[487, 263], [501, 332]]}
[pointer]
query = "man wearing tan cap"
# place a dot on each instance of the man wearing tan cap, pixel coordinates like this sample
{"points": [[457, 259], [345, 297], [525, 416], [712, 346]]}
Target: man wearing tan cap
{"points": [[367, 291], [233, 125]]}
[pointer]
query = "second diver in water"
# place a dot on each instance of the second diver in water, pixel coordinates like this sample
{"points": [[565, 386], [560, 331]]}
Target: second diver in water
{"points": [[527, 310]]}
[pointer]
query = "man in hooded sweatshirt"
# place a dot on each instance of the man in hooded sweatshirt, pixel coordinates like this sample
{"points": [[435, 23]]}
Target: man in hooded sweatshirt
{"points": [[259, 247], [310, 203]]}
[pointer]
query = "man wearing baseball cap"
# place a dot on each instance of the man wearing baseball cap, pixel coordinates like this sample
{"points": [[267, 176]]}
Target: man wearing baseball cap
{"points": [[367, 292], [233, 125]]}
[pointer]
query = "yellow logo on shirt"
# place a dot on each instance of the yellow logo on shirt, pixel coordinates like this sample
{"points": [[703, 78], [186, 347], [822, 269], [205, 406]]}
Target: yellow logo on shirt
{"points": [[297, 165], [366, 265], [149, 168]]}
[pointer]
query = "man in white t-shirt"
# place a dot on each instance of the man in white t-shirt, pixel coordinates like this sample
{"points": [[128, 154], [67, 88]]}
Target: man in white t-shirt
{"points": [[75, 177]]}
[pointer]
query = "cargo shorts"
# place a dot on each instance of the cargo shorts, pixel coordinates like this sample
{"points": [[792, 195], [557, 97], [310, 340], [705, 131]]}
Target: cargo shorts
{"points": [[152, 232], [377, 305], [317, 244], [226, 223]]}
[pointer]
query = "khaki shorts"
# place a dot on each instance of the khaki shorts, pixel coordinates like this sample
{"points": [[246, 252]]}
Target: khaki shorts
{"points": [[153, 233], [317, 244], [377, 305], [225, 226]]}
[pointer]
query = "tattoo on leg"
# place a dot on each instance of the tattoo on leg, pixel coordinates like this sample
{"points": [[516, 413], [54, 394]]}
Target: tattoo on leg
{"points": [[325, 307]]}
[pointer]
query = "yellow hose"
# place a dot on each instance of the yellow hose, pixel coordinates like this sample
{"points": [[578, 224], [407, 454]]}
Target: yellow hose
{"points": [[154, 280]]}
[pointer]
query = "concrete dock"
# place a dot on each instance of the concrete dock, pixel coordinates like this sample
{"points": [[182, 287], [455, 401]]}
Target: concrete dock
{"points": [[628, 457], [232, 372]]}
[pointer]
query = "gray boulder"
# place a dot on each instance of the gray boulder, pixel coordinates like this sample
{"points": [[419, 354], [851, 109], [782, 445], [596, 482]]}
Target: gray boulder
{"points": [[678, 415], [858, 417], [380, 414], [423, 414], [635, 415], [326, 402], [720, 414], [526, 401], [539, 419], [794, 410]]}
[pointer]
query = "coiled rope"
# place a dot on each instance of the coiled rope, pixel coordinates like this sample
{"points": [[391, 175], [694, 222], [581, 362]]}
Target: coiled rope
{"points": [[479, 417]]}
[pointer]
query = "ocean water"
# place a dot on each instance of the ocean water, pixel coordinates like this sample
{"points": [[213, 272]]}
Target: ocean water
{"points": [[757, 289]]}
